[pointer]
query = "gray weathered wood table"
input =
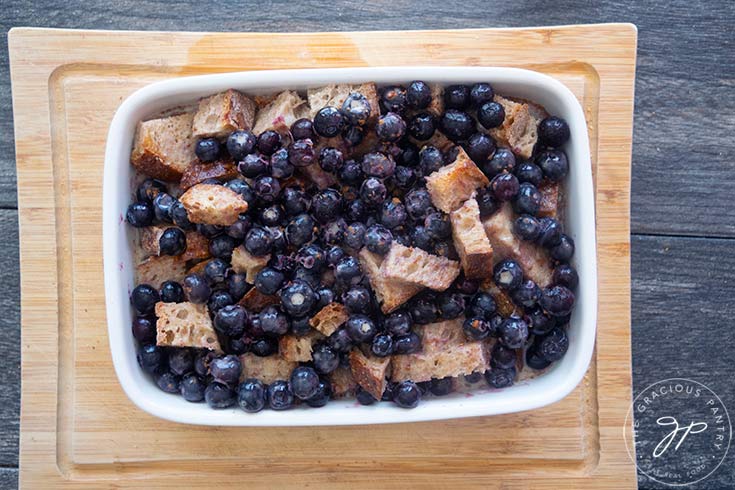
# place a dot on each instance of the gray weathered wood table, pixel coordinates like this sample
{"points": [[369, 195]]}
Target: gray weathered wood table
{"points": [[683, 218]]}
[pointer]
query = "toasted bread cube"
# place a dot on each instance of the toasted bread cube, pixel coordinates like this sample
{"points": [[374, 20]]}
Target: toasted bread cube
{"points": [[199, 267], [318, 176], [519, 130], [223, 113], [533, 259], [504, 303], [243, 262], [470, 240], [281, 113], [298, 349], [419, 267], [157, 270], [329, 318], [163, 148], [550, 199], [335, 95], [391, 293], [343, 384], [148, 238], [213, 204], [197, 246], [255, 301], [266, 369], [197, 173], [453, 184], [185, 325], [436, 107], [369, 372]]}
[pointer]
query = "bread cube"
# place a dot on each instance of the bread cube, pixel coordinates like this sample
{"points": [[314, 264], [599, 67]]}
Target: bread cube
{"points": [[163, 148], [223, 113], [391, 293], [243, 262], [550, 199], [369, 372], [298, 349], [213, 204], [266, 369], [158, 269], [519, 130], [199, 172], [452, 185], [281, 113], [335, 95], [418, 267], [197, 246], [343, 384], [185, 325], [255, 301], [329, 318], [471, 242]]}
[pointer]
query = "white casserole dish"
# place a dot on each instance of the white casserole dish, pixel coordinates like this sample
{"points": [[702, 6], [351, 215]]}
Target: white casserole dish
{"points": [[558, 381]]}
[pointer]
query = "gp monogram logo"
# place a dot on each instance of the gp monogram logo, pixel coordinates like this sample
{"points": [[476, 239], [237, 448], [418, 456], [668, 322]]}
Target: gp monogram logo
{"points": [[681, 432]]}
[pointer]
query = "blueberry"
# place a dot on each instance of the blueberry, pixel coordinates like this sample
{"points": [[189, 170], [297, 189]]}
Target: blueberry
{"points": [[420, 238], [267, 188], [274, 321], [149, 189], [326, 295], [207, 149], [322, 395], [210, 231], [566, 275], [340, 341], [351, 173], [281, 168], [451, 305], [271, 215], [226, 370], [508, 274], [172, 292], [242, 188], [491, 115], [557, 300], [526, 227], [553, 131], [430, 160], [297, 298], [407, 344], [438, 226], [398, 323], [503, 160], [373, 192], [300, 326], [329, 122], [457, 125], [355, 235], [554, 164], [269, 142], [312, 257], [495, 323], [553, 345], [353, 135], [251, 395], [391, 127], [363, 397], [357, 299], [222, 246], [302, 129], [528, 199], [480, 94], [539, 322], [219, 396], [456, 96], [335, 254], [394, 99], [144, 329], [241, 143], [504, 186], [347, 270], [239, 228], [192, 388], [535, 360], [464, 285], [418, 95], [168, 382], [264, 347], [310, 277], [393, 213], [140, 214], [333, 233], [418, 203], [476, 328], [502, 357], [150, 358], [422, 126], [280, 396], [253, 165], [144, 298], [550, 234], [216, 270], [441, 387], [301, 153], [378, 165], [564, 250], [300, 230], [480, 147], [162, 205], [295, 201], [259, 241], [500, 378], [331, 159], [219, 300], [527, 294], [269, 280], [529, 172], [304, 382], [406, 395], [404, 177], [378, 239], [179, 216], [382, 345], [481, 305], [513, 332], [423, 310], [327, 205], [361, 328], [196, 288], [356, 109], [326, 356]]}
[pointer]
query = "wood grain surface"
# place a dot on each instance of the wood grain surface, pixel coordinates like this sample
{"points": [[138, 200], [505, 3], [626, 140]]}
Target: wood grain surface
{"points": [[79, 430]]}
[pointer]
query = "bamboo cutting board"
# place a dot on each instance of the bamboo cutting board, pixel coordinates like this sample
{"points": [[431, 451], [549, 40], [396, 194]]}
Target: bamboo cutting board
{"points": [[78, 430]]}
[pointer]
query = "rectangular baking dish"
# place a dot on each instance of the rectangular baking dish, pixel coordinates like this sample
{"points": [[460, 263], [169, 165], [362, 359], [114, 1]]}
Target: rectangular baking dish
{"points": [[554, 384]]}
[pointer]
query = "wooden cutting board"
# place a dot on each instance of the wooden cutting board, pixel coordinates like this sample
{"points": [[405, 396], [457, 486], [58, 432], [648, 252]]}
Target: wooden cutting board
{"points": [[78, 430]]}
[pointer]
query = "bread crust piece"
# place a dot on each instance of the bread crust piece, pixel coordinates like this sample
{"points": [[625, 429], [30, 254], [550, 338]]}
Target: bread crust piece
{"points": [[418, 267], [163, 148], [266, 369], [281, 113], [533, 259], [213, 204], [391, 293], [335, 95], [471, 242], [505, 304], [223, 113], [255, 301], [158, 269], [199, 172], [369, 372], [550, 199], [343, 384], [243, 262], [452, 185], [329, 318], [185, 325], [148, 238], [298, 349], [519, 130], [197, 246]]}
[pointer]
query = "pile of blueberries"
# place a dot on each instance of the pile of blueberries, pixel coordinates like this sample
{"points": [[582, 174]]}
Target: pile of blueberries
{"points": [[311, 236]]}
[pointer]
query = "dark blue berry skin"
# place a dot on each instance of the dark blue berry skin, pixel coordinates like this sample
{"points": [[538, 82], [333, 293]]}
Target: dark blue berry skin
{"points": [[333, 233], [550, 234], [357, 299], [378, 165], [529, 172], [351, 173], [534, 360], [481, 305], [528, 199], [422, 126], [297, 298], [219, 300], [418, 95], [201, 362], [418, 203], [271, 216], [253, 165], [340, 341], [325, 358], [326, 295], [215, 271], [300, 230], [240, 228], [398, 323], [172, 292], [480, 148], [196, 288], [304, 382], [280, 167], [457, 125], [407, 394], [539, 322], [364, 398], [149, 189], [353, 135], [476, 328], [355, 235], [505, 187], [393, 99], [264, 347], [473, 378], [361, 328], [310, 277], [226, 370], [279, 396], [207, 149], [554, 164], [179, 216], [144, 329], [300, 326], [356, 109], [553, 131], [168, 382], [335, 254], [527, 228], [295, 201], [273, 321], [490, 115], [382, 345], [553, 345], [481, 93], [566, 275], [441, 387], [423, 310], [238, 346], [564, 250], [301, 153], [348, 271], [502, 357], [393, 213], [331, 159], [312, 257], [192, 388], [144, 298], [210, 231], [513, 332], [329, 122], [527, 294], [508, 274], [431, 159], [162, 205], [378, 239], [438, 226], [456, 96], [326, 205], [219, 396], [557, 300], [409, 155], [150, 358], [451, 305], [302, 129], [269, 280], [500, 378], [267, 189], [259, 241], [322, 395], [242, 188], [503, 160], [404, 178], [251, 395], [495, 323], [140, 214], [269, 142], [222, 246], [407, 344], [241, 143], [420, 238], [391, 127], [278, 236]]}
